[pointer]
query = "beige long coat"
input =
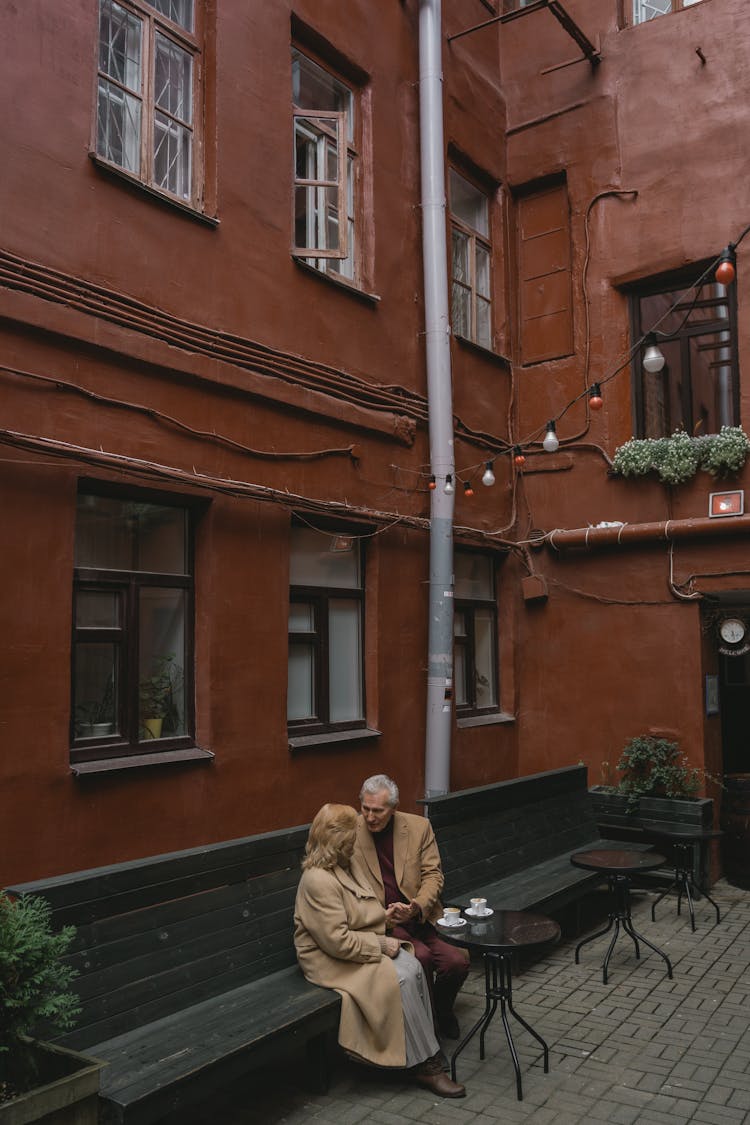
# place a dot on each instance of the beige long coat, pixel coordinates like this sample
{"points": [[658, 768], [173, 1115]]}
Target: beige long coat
{"points": [[416, 861], [337, 920]]}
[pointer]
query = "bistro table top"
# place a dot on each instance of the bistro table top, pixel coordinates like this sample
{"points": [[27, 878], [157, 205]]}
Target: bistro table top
{"points": [[689, 835], [617, 862], [502, 932]]}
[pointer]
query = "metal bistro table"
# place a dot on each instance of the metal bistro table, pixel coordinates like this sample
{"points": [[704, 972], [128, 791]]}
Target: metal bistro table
{"points": [[618, 866], [497, 938], [682, 843]]}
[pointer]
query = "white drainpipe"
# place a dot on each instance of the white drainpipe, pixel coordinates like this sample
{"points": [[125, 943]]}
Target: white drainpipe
{"points": [[440, 401]]}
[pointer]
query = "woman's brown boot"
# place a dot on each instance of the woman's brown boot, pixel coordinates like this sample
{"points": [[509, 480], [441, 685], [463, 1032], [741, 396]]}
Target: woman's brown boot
{"points": [[431, 1075]]}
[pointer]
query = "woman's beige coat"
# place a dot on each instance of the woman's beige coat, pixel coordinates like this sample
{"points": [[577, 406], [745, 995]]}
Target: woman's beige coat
{"points": [[337, 920]]}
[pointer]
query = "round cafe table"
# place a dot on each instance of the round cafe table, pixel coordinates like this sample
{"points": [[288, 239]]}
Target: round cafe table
{"points": [[497, 938], [619, 866]]}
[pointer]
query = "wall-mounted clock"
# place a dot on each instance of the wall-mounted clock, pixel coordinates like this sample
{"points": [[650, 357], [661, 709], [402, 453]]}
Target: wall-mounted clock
{"points": [[732, 630]]}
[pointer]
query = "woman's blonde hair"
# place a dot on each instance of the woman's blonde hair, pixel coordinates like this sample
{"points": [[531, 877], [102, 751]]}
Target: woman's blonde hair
{"points": [[330, 831]]}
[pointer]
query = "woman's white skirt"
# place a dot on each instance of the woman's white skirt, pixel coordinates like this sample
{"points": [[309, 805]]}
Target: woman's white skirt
{"points": [[421, 1042]]}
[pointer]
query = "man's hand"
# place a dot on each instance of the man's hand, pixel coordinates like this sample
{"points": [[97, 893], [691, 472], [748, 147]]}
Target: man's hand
{"points": [[401, 912], [391, 946]]}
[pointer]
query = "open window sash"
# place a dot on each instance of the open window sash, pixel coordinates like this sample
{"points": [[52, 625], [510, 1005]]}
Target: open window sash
{"points": [[320, 197]]}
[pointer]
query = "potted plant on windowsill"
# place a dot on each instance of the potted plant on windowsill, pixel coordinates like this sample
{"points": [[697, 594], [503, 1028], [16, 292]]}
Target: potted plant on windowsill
{"points": [[157, 698], [39, 1081], [95, 718]]}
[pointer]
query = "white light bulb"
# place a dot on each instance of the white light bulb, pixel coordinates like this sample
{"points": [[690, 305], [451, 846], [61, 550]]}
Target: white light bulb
{"points": [[488, 477], [653, 359], [551, 442], [449, 488]]}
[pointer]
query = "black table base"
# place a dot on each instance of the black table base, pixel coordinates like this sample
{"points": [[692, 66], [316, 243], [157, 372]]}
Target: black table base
{"points": [[685, 883], [619, 889], [498, 987]]}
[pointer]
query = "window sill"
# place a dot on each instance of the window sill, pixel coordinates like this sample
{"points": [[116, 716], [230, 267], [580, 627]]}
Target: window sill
{"points": [[495, 719], [327, 738], [338, 282], [138, 185], [137, 761], [479, 349]]}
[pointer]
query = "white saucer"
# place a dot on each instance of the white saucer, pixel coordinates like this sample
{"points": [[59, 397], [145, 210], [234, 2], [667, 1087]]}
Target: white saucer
{"points": [[485, 913], [452, 925]]}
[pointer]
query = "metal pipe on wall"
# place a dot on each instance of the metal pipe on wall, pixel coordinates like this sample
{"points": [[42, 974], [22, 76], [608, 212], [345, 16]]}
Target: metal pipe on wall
{"points": [[440, 401]]}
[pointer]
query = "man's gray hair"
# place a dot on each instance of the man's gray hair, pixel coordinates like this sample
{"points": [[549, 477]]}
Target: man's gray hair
{"points": [[376, 784]]}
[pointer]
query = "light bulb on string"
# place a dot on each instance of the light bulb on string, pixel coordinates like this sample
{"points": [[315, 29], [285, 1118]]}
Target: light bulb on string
{"points": [[449, 488], [488, 477], [726, 270], [595, 397], [518, 456], [551, 441], [432, 483], [468, 490], [653, 357]]}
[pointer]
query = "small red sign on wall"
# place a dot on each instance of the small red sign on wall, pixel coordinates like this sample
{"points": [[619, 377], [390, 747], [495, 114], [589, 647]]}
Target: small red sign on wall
{"points": [[726, 503]]}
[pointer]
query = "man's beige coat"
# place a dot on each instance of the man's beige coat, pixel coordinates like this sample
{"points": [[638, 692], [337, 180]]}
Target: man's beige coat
{"points": [[337, 920], [416, 862]]}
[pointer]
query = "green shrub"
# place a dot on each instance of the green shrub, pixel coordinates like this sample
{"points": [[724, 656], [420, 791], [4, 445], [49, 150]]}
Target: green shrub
{"points": [[656, 767], [678, 458], [34, 984]]}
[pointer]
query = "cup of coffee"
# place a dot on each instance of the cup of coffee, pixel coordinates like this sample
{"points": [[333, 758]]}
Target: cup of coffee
{"points": [[479, 906], [451, 916]]}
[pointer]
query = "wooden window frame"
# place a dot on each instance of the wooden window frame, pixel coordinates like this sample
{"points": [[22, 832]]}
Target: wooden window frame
{"points": [[677, 6], [467, 642], [153, 24], [126, 585], [476, 239]]}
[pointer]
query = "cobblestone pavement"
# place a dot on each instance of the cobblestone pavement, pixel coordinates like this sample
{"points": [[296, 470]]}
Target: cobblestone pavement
{"points": [[641, 1048]]}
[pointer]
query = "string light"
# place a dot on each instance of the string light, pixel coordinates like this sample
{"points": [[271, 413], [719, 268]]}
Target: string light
{"points": [[488, 477], [726, 271], [551, 441], [595, 397], [449, 488], [653, 357], [432, 483], [468, 490], [518, 457]]}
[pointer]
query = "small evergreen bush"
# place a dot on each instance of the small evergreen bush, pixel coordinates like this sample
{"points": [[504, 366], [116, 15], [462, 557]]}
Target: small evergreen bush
{"points": [[34, 985], [655, 767]]}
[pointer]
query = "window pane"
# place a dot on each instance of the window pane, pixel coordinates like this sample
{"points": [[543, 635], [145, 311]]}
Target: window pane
{"points": [[344, 661], [161, 662], [97, 609], [647, 9], [484, 658], [115, 534], [96, 690], [461, 245], [483, 272], [473, 576], [461, 310], [469, 204], [300, 697], [179, 11], [173, 79], [172, 151], [120, 45], [314, 88], [484, 327], [459, 674], [316, 560], [459, 624], [118, 127], [301, 617]]}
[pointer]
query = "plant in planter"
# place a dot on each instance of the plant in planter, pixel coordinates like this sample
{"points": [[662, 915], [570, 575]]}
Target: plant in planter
{"points": [[655, 767], [678, 458], [159, 711], [96, 717], [34, 990]]}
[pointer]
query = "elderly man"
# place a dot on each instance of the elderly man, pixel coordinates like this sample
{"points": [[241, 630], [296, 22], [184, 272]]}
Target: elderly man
{"points": [[398, 854]]}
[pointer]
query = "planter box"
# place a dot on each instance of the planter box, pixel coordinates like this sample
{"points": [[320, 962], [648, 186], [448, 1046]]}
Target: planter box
{"points": [[615, 821], [69, 1094]]}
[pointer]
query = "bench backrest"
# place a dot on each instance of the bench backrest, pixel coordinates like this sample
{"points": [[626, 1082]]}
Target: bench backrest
{"points": [[159, 934], [487, 833]]}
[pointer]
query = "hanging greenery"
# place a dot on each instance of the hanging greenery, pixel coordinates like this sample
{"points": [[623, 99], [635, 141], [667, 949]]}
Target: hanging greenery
{"points": [[678, 458]]}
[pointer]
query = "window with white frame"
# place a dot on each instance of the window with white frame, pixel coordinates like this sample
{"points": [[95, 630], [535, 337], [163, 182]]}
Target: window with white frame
{"points": [[149, 92], [326, 631], [132, 626], [644, 10], [471, 255], [325, 168], [475, 634]]}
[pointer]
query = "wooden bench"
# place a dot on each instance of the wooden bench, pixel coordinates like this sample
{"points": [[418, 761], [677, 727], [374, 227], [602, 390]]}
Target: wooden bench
{"points": [[511, 842], [188, 976]]}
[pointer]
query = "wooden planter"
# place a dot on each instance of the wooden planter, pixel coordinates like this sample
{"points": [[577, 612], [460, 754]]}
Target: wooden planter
{"points": [[69, 1094], [619, 819]]}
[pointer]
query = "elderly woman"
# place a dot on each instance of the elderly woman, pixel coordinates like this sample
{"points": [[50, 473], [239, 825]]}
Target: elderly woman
{"points": [[339, 935]]}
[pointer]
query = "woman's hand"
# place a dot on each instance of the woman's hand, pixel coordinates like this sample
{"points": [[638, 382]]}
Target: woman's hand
{"points": [[391, 946]]}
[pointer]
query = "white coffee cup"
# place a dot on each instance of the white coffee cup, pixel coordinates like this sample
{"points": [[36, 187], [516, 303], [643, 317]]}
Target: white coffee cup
{"points": [[479, 906], [451, 916]]}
